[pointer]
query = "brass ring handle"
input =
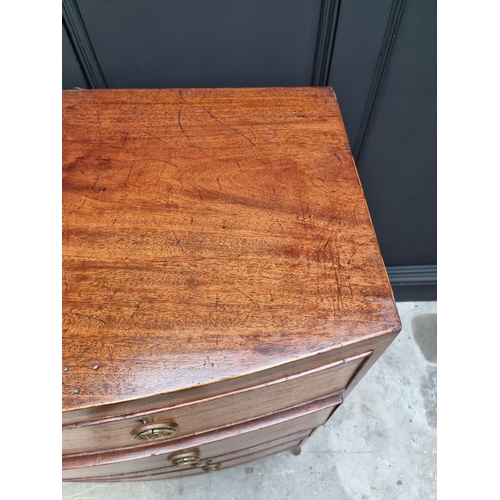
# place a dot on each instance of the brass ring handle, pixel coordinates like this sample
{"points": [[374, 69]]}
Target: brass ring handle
{"points": [[155, 432], [203, 463], [211, 467], [186, 458]]}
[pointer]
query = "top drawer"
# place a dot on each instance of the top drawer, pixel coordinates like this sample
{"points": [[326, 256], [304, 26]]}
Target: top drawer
{"points": [[210, 413]]}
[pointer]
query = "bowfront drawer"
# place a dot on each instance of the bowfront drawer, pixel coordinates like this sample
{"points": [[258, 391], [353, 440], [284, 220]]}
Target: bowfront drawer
{"points": [[211, 464], [185, 453], [211, 413]]}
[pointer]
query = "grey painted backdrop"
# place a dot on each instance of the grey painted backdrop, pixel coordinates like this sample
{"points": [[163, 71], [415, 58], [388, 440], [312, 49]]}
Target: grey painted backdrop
{"points": [[378, 55]]}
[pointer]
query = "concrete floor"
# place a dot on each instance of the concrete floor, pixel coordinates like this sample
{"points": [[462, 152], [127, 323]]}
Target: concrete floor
{"points": [[380, 445]]}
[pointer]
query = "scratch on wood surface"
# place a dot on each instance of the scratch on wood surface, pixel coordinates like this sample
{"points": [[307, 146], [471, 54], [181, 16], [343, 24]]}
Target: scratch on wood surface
{"points": [[125, 139], [317, 276], [180, 122], [168, 200], [339, 289], [230, 128], [275, 134], [199, 192], [334, 306], [183, 98], [336, 254], [177, 240], [170, 162], [91, 317], [350, 290], [245, 294], [82, 353], [129, 172], [358, 246], [136, 309], [79, 207], [153, 136], [362, 256], [342, 248], [339, 157], [97, 180], [161, 173]]}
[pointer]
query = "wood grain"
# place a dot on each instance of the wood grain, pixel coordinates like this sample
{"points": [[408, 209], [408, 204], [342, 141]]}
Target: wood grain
{"points": [[207, 235]]}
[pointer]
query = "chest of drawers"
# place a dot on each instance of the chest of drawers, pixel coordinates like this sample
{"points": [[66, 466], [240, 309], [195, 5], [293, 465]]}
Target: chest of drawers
{"points": [[223, 289]]}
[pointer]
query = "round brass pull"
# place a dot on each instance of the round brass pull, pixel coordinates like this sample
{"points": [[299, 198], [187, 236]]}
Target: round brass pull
{"points": [[155, 432], [211, 467], [203, 463], [186, 458]]}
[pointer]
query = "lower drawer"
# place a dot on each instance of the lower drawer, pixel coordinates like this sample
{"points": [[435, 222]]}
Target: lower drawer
{"points": [[203, 446], [210, 465]]}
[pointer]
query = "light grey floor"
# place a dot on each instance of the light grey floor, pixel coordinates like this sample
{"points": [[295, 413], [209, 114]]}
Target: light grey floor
{"points": [[380, 445]]}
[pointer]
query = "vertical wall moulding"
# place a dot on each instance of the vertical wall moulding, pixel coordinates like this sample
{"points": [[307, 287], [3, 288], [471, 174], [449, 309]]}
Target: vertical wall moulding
{"points": [[327, 29], [383, 59], [77, 33]]}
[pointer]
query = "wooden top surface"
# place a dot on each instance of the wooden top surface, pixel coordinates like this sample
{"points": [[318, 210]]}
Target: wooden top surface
{"points": [[209, 233]]}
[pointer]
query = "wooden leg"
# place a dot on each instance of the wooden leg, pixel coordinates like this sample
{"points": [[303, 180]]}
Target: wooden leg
{"points": [[296, 450]]}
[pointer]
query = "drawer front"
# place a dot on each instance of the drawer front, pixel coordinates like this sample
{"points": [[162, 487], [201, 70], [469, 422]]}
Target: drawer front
{"points": [[223, 465], [216, 462], [211, 413], [212, 444]]}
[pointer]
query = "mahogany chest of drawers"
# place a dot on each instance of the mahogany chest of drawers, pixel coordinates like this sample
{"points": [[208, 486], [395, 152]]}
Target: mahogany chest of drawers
{"points": [[223, 289]]}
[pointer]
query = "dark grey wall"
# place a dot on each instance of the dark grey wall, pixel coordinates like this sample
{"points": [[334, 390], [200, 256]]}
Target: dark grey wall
{"points": [[379, 56], [200, 43], [397, 161]]}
